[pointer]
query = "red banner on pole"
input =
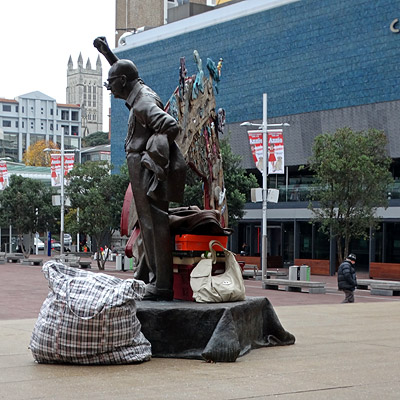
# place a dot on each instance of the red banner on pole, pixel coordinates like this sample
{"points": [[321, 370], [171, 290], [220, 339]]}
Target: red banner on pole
{"points": [[276, 160], [55, 167], [3, 175], [256, 145]]}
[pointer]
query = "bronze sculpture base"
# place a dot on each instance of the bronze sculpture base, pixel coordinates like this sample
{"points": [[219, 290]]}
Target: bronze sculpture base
{"points": [[213, 331]]}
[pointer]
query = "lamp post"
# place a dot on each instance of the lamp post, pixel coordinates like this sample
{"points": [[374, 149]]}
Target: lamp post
{"points": [[62, 189], [10, 226], [263, 127]]}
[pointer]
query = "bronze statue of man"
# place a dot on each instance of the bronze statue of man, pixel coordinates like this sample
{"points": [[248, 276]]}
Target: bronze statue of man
{"points": [[156, 170]]}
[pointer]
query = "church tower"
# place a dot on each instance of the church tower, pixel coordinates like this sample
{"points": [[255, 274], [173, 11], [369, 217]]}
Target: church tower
{"points": [[85, 87]]}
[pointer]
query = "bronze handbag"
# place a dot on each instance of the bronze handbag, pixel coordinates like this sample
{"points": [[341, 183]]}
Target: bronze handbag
{"points": [[228, 286]]}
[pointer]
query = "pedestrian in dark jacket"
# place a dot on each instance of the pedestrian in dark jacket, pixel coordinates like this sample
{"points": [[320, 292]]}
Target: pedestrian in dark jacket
{"points": [[347, 279]]}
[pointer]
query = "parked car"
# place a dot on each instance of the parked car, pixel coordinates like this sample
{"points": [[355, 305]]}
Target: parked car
{"points": [[55, 245], [67, 239], [39, 243]]}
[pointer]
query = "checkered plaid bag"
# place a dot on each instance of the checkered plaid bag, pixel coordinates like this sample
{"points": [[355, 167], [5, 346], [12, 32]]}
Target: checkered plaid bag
{"points": [[89, 318]]}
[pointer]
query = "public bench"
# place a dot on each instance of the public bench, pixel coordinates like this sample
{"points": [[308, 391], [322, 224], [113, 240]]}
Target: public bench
{"points": [[85, 264], [295, 286], [385, 289], [380, 287], [272, 273], [14, 258], [32, 261], [69, 260], [252, 271]]}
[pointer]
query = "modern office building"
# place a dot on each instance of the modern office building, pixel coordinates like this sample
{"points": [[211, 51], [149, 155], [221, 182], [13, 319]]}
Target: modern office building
{"points": [[325, 64], [35, 116], [135, 16], [96, 153], [85, 87]]}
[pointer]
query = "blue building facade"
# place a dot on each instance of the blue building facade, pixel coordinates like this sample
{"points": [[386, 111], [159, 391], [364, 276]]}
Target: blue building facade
{"points": [[324, 64]]}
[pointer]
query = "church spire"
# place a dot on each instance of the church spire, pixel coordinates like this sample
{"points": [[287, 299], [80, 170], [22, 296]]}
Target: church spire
{"points": [[98, 63], [70, 63], [80, 60], [88, 64]]}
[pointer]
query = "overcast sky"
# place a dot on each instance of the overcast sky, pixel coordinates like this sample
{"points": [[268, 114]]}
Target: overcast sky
{"points": [[38, 36]]}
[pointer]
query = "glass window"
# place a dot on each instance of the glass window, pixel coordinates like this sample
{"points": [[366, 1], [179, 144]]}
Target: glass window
{"points": [[378, 243], [360, 247], [71, 142], [74, 130], [36, 138], [65, 115], [10, 142], [74, 115], [16, 108], [6, 124], [6, 107], [392, 235], [321, 245], [288, 242], [16, 124], [305, 240]]}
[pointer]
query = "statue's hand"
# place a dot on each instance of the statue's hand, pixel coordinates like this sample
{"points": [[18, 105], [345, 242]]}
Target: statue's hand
{"points": [[101, 44]]}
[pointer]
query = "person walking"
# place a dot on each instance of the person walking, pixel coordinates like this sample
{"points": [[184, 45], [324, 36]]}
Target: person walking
{"points": [[347, 278]]}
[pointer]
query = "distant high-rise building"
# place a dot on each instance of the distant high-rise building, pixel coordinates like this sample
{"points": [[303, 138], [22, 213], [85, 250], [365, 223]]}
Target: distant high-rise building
{"points": [[85, 87], [132, 15]]}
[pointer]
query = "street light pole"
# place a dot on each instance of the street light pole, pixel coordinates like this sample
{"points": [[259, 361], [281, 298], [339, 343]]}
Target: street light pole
{"points": [[264, 238], [62, 195], [62, 191], [264, 251]]}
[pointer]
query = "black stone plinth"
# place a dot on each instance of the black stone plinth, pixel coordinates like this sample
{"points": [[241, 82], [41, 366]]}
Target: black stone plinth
{"points": [[211, 331]]}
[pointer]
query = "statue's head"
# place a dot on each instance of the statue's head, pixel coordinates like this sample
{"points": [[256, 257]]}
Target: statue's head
{"points": [[120, 74]]}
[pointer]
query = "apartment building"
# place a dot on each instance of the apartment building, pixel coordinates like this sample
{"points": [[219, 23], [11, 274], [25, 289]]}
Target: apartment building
{"points": [[33, 117]]}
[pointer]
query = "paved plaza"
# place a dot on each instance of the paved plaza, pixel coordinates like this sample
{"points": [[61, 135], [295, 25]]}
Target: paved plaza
{"points": [[342, 351]]}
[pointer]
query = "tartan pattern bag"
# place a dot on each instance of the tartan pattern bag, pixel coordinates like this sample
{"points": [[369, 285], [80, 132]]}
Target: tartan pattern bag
{"points": [[89, 318]]}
